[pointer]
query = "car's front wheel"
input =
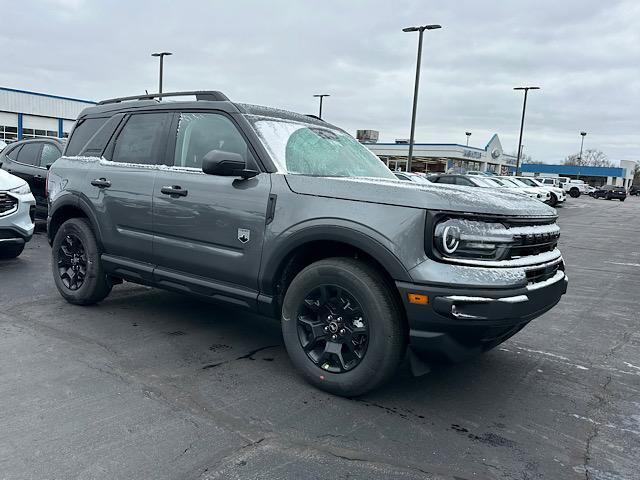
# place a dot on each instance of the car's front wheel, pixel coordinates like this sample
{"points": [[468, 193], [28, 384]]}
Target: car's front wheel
{"points": [[75, 261], [553, 200], [574, 192], [11, 251], [342, 326]]}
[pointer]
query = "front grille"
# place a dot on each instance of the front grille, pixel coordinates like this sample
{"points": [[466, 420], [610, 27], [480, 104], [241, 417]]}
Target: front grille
{"points": [[8, 204], [543, 273], [533, 244]]}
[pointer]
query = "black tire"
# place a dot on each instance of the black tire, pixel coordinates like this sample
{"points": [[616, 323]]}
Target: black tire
{"points": [[381, 313], [622, 199], [553, 201], [11, 251], [574, 193], [608, 197], [95, 285]]}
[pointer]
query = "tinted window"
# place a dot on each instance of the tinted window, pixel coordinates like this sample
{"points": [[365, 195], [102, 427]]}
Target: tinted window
{"points": [[139, 139], [49, 154], [447, 180], [13, 154], [199, 133], [402, 177], [30, 153], [82, 133], [464, 181]]}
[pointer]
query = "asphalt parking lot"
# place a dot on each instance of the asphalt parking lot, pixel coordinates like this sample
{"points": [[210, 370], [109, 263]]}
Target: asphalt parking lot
{"points": [[151, 384]]}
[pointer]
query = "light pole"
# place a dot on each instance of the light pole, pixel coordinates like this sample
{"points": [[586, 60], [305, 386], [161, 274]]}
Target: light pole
{"points": [[524, 107], [582, 134], [415, 89], [161, 55], [321, 96], [468, 134]]}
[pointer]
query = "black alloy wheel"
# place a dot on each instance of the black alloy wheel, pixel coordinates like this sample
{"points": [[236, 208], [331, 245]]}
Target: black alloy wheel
{"points": [[72, 262], [332, 328]]}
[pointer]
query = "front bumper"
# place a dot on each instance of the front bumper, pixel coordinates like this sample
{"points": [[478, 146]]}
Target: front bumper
{"points": [[17, 227], [460, 322]]}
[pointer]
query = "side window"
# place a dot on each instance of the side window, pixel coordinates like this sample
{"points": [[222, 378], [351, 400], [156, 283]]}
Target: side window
{"points": [[30, 153], [49, 154], [140, 138], [13, 154], [463, 181], [81, 134], [447, 180], [199, 133]]}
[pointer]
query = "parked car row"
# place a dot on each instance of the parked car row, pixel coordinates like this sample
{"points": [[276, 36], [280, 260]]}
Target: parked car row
{"points": [[523, 185]]}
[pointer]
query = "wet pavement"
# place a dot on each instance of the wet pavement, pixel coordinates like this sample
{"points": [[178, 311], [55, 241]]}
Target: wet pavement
{"points": [[151, 384]]}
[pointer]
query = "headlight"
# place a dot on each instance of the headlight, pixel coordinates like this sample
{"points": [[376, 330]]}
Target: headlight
{"points": [[21, 190], [458, 238]]}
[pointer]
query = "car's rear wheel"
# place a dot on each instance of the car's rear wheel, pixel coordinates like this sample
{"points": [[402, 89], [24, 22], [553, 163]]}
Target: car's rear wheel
{"points": [[77, 270], [342, 326], [11, 251], [574, 192]]}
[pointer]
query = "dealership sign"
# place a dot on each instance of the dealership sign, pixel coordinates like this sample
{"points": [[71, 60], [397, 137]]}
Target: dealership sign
{"points": [[472, 154]]}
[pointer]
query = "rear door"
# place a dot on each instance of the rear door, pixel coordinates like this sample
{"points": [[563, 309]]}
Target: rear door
{"points": [[27, 166], [122, 187], [208, 237]]}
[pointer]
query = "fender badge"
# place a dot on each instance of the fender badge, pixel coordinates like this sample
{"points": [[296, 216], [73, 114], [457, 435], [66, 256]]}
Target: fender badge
{"points": [[244, 235]]}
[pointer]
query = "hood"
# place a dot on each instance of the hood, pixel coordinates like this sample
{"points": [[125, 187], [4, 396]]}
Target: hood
{"points": [[433, 197], [8, 181]]}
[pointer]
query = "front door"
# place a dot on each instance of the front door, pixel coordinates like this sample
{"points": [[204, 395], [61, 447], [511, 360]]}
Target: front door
{"points": [[208, 230], [121, 187]]}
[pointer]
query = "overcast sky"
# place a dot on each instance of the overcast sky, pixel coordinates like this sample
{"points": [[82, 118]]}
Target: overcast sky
{"points": [[585, 54]]}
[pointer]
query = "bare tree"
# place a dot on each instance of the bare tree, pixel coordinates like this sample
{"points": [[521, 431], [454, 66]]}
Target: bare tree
{"points": [[524, 158], [591, 158]]}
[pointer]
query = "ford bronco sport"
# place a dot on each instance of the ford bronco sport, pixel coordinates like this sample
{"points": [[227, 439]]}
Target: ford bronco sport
{"points": [[289, 216]]}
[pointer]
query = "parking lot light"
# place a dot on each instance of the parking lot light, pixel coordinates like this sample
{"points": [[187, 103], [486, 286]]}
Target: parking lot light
{"points": [[524, 107], [468, 134], [415, 88]]}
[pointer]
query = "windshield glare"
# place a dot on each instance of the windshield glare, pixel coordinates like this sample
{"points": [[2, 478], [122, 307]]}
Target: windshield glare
{"points": [[309, 149]]}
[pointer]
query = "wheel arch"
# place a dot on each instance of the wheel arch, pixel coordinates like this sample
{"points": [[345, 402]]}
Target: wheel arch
{"points": [[70, 208], [314, 243]]}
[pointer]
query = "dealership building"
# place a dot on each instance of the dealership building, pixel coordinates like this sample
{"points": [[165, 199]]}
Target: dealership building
{"points": [[25, 114], [441, 157], [595, 176]]}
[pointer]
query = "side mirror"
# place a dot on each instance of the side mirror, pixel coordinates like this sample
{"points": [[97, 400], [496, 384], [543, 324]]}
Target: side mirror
{"points": [[226, 164]]}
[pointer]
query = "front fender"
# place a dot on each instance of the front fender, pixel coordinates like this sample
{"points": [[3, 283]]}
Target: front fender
{"points": [[277, 249]]}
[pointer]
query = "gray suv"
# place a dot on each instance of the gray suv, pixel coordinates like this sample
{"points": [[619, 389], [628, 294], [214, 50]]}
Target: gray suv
{"points": [[289, 216]]}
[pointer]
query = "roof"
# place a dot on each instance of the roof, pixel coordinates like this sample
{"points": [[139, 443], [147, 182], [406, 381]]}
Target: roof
{"points": [[27, 92], [574, 170]]}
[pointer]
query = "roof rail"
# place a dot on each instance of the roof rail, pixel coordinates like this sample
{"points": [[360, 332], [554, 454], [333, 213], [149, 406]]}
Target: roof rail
{"points": [[209, 95]]}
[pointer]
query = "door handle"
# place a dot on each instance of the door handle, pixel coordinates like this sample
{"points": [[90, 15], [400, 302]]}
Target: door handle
{"points": [[101, 183], [174, 190]]}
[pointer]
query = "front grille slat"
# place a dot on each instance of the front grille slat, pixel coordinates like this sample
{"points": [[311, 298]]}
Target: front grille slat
{"points": [[8, 203]]}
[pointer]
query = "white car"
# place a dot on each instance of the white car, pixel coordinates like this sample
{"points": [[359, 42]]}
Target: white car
{"points": [[17, 209], [557, 195], [538, 193], [573, 188]]}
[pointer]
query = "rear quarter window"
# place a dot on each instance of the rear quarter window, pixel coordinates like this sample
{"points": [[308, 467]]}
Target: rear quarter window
{"points": [[82, 133]]}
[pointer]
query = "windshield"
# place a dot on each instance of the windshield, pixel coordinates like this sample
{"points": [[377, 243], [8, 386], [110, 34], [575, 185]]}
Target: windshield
{"points": [[481, 182], [508, 182], [516, 182], [528, 182], [309, 149]]}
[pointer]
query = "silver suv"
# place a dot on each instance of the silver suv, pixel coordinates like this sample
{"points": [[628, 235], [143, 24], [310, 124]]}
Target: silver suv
{"points": [[17, 210], [286, 215]]}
